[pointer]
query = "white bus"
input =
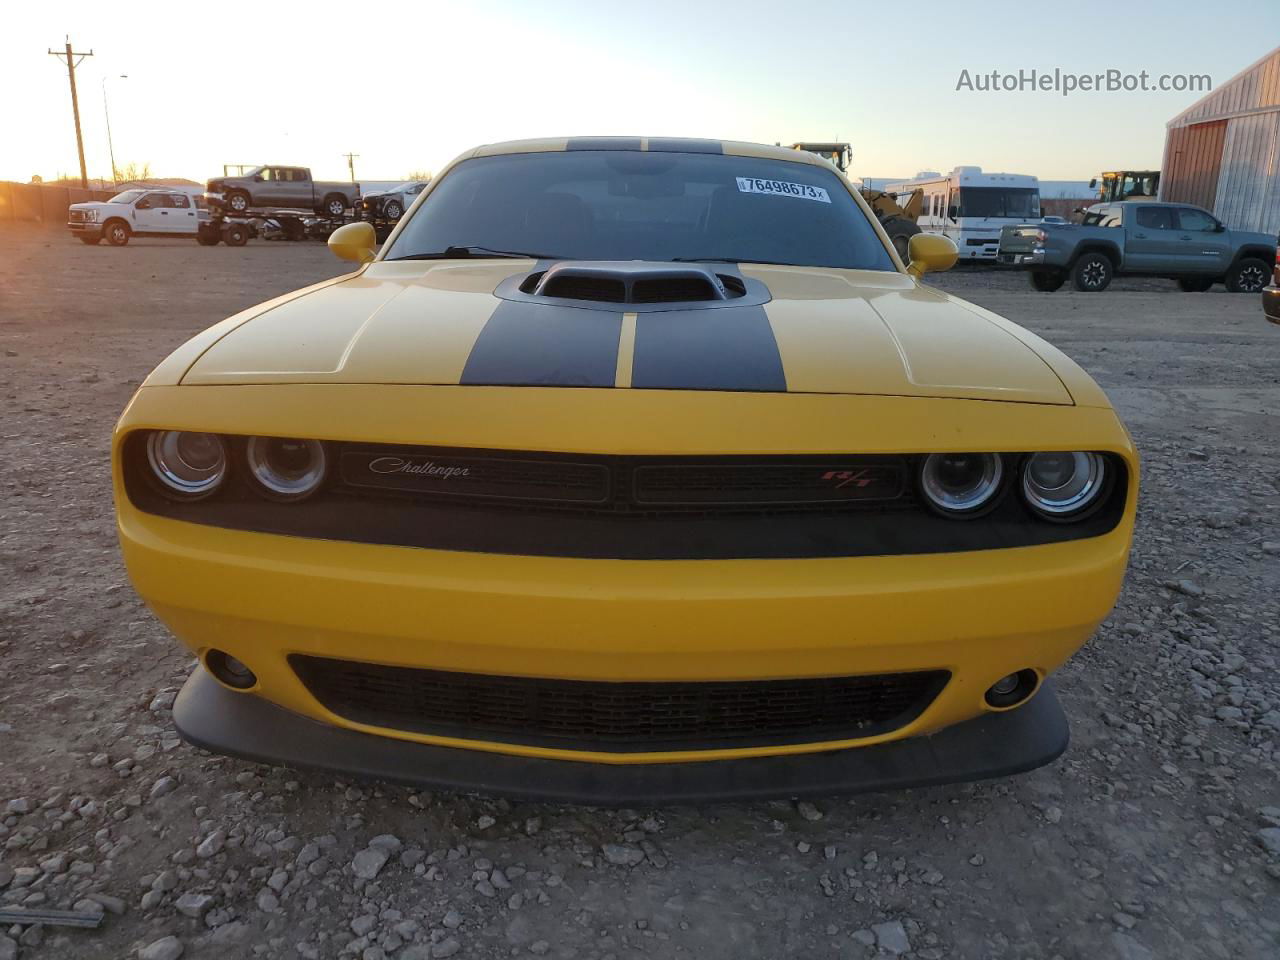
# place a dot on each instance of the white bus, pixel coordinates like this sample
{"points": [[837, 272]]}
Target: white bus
{"points": [[970, 206]]}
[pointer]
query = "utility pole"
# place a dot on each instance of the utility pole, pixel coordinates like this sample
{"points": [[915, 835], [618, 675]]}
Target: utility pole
{"points": [[351, 164], [68, 53]]}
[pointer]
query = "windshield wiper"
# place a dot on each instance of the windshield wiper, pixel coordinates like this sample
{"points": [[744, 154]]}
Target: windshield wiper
{"points": [[465, 252]]}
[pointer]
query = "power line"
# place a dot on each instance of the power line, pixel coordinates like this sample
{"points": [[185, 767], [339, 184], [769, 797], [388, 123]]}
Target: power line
{"points": [[351, 164], [68, 54]]}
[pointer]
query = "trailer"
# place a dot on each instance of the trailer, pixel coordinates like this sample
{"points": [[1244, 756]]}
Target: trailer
{"points": [[382, 227], [267, 223]]}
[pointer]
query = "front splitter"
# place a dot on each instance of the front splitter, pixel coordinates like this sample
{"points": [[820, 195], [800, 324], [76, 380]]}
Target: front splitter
{"points": [[996, 745]]}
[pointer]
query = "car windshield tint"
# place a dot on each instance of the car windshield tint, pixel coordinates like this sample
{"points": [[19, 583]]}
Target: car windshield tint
{"points": [[631, 205], [999, 202], [127, 197]]}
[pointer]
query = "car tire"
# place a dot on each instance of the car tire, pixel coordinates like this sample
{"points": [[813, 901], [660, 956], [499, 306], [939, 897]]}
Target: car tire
{"points": [[1248, 275], [207, 239], [334, 206], [237, 201], [1194, 284], [392, 210], [90, 241], [235, 235], [1092, 273], [116, 232], [1046, 281]]}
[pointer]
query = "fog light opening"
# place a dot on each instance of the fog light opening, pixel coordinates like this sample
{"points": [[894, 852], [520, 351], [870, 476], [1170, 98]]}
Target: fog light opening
{"points": [[229, 671], [1012, 690]]}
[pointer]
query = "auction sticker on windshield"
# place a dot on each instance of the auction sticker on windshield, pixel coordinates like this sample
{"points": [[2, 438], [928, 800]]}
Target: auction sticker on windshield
{"points": [[782, 188]]}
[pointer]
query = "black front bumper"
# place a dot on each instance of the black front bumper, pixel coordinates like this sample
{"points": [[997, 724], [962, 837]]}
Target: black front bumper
{"points": [[1271, 303], [996, 745]]}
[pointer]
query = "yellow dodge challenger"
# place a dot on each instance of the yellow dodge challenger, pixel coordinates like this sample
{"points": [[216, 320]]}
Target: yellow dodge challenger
{"points": [[627, 470]]}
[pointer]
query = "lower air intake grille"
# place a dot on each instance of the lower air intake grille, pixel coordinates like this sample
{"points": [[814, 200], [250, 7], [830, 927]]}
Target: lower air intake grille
{"points": [[618, 717]]}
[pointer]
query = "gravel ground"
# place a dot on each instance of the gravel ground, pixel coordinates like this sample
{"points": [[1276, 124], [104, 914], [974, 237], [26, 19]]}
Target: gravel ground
{"points": [[1156, 836]]}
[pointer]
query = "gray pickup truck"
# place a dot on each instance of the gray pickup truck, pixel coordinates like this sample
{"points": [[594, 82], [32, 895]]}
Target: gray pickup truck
{"points": [[282, 188], [1140, 238]]}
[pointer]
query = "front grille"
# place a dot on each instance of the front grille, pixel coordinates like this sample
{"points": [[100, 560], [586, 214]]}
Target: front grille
{"points": [[772, 484], [628, 484], [621, 507], [75, 215], [619, 717], [475, 477]]}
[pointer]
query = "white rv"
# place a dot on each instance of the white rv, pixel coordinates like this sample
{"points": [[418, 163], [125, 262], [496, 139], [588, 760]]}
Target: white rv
{"points": [[970, 206]]}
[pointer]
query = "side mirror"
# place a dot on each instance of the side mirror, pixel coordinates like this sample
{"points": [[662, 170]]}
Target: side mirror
{"points": [[1079, 210], [355, 242], [931, 253], [1093, 183], [1219, 228], [951, 212]]}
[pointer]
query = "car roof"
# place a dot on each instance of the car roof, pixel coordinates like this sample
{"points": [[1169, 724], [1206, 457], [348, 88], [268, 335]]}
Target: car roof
{"points": [[735, 148]]}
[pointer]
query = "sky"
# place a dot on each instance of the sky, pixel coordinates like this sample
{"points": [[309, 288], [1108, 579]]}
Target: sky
{"points": [[407, 86]]}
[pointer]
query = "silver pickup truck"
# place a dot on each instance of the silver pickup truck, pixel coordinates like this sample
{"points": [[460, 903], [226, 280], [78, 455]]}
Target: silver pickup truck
{"points": [[1140, 238], [282, 188]]}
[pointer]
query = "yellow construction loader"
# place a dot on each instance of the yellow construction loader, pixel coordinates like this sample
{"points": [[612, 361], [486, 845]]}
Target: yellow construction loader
{"points": [[898, 220]]}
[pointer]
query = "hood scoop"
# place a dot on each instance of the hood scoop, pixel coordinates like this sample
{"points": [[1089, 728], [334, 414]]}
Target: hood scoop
{"points": [[634, 282]]}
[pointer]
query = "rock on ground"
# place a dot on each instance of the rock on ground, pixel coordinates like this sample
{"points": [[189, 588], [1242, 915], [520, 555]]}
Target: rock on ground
{"points": [[166, 948]]}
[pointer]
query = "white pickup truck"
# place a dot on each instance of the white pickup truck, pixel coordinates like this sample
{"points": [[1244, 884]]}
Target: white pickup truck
{"points": [[142, 212]]}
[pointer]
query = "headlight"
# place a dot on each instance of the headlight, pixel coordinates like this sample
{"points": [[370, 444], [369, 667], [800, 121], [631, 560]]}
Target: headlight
{"points": [[961, 484], [188, 465], [287, 468], [1060, 485], [91, 216]]}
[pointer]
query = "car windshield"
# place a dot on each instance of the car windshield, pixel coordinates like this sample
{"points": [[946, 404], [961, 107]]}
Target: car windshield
{"points": [[127, 197], [999, 202], [633, 205], [402, 187]]}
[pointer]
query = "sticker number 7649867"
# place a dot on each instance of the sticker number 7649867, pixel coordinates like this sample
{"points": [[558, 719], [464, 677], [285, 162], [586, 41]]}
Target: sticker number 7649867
{"points": [[781, 188]]}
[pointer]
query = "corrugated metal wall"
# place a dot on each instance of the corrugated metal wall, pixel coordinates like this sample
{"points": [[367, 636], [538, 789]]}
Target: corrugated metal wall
{"points": [[1193, 157], [1223, 152], [1256, 88], [1248, 196]]}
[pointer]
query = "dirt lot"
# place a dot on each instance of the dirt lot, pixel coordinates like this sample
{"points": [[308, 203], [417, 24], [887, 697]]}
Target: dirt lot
{"points": [[1154, 837]]}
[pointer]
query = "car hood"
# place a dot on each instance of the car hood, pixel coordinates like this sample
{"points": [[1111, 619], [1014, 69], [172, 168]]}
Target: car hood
{"points": [[819, 331]]}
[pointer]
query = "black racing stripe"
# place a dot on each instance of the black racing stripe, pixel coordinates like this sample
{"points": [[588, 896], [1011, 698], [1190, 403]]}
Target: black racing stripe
{"points": [[541, 345], [603, 143], [729, 349], [679, 145]]}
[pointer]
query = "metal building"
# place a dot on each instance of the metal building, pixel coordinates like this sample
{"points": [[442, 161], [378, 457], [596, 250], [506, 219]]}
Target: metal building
{"points": [[1223, 152]]}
